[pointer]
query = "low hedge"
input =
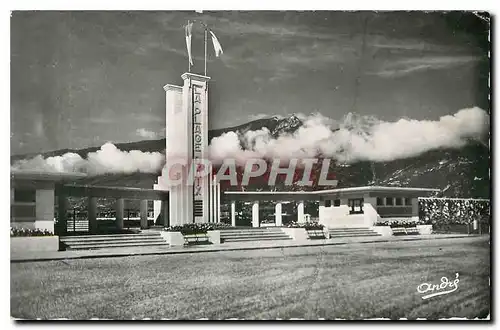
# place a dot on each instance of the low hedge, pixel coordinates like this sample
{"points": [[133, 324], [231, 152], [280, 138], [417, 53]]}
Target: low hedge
{"points": [[306, 226], [198, 228], [25, 232], [402, 223]]}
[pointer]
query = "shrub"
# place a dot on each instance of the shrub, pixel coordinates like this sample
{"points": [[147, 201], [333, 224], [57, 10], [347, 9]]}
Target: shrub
{"points": [[197, 228], [398, 223], [442, 212], [25, 232], [306, 226]]}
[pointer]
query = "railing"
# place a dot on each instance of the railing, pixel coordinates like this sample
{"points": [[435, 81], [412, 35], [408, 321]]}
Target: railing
{"points": [[78, 222]]}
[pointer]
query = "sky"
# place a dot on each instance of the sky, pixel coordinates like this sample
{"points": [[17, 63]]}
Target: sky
{"points": [[81, 79]]}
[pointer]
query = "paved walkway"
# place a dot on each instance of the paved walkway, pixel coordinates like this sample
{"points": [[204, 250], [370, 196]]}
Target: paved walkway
{"points": [[232, 246]]}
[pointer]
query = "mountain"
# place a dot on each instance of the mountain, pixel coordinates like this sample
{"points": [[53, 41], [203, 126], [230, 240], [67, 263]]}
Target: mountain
{"points": [[460, 172]]}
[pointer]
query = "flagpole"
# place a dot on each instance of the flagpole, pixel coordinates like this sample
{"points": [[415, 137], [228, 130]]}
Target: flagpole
{"points": [[189, 59], [205, 50]]}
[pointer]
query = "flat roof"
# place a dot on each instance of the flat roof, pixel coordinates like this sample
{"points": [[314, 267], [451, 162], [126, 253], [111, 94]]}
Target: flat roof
{"points": [[112, 192], [333, 191], [46, 176]]}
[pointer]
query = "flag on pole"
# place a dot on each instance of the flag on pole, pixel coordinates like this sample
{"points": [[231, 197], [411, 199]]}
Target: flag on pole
{"points": [[217, 46], [189, 28]]}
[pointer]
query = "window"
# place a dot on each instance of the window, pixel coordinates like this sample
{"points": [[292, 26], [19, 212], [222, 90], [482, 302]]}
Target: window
{"points": [[328, 203], [336, 203], [407, 201], [380, 201], [356, 205], [389, 201], [24, 195], [399, 201]]}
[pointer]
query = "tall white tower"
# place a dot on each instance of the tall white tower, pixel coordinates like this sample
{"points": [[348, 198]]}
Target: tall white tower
{"points": [[195, 201]]}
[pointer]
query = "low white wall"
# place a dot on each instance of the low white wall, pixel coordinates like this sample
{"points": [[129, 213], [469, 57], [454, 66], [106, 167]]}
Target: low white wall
{"points": [[383, 230], [424, 229], [335, 217], [34, 244], [173, 238], [326, 232], [371, 214], [214, 236], [298, 234]]}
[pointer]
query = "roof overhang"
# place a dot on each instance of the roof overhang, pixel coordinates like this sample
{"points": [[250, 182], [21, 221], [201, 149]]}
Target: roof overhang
{"points": [[371, 191], [42, 180]]}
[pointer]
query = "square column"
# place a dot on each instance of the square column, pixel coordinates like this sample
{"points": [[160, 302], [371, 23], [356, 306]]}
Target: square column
{"points": [[62, 210], [119, 204], [143, 209], [414, 208], [255, 214], [166, 220], [233, 213], [278, 215], [218, 203], [211, 203], [156, 210], [92, 213], [300, 212], [44, 209]]}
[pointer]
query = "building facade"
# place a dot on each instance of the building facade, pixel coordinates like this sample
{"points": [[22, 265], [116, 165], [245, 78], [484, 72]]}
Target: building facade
{"points": [[343, 207], [197, 199]]}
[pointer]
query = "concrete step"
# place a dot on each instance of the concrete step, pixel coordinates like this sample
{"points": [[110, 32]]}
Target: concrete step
{"points": [[253, 231], [338, 232], [103, 238], [351, 232], [252, 234], [349, 229], [152, 234], [242, 239], [87, 242], [104, 246], [355, 235], [114, 241]]}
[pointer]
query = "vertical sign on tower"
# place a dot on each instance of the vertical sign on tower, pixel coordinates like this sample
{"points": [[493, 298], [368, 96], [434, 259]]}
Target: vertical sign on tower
{"points": [[198, 192]]}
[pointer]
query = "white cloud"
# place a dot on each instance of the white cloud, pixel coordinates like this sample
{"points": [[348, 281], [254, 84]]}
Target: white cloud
{"points": [[144, 133], [355, 138], [411, 65], [109, 159]]}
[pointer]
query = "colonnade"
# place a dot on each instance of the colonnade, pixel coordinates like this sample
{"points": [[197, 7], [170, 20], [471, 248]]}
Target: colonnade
{"points": [[119, 211], [277, 213]]}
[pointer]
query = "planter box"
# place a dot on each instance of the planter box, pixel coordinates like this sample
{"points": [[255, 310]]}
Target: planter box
{"points": [[173, 238], [199, 238], [316, 234], [424, 229], [34, 244], [214, 236], [299, 234], [383, 230]]}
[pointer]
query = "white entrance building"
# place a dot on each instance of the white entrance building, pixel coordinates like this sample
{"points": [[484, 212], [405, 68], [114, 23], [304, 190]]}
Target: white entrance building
{"points": [[186, 111]]}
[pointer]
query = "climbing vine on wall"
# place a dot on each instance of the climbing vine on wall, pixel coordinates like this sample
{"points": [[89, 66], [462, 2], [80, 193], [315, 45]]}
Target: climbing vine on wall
{"points": [[453, 211]]}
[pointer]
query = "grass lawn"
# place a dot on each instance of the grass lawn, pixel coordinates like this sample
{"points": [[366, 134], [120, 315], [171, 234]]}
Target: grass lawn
{"points": [[356, 281]]}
